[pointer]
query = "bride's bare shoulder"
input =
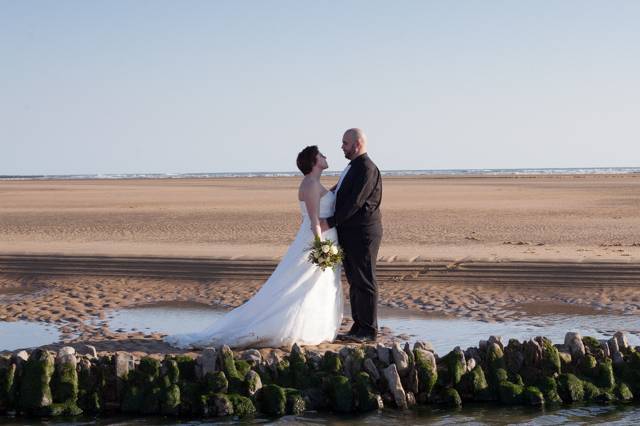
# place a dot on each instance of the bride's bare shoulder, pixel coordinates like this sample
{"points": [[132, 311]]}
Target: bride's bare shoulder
{"points": [[309, 188]]}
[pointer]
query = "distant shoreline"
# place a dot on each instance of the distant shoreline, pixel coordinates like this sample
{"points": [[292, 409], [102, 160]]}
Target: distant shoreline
{"points": [[410, 173]]}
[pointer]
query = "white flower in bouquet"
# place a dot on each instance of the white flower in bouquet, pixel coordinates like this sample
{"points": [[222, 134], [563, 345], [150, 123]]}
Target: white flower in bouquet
{"points": [[325, 254], [326, 248], [334, 250]]}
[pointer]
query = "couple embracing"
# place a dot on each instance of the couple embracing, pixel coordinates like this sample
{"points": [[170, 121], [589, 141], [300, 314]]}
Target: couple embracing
{"points": [[300, 302]]}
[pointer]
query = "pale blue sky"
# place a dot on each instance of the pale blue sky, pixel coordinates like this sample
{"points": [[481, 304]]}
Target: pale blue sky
{"points": [[218, 86]]}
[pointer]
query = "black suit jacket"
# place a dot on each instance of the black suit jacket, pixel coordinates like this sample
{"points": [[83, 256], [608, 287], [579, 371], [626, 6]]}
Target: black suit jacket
{"points": [[359, 196]]}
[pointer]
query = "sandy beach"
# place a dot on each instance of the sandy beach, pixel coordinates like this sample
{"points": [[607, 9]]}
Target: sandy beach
{"points": [[562, 243]]}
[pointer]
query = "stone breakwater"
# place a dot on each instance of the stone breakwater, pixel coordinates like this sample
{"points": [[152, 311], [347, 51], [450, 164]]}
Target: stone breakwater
{"points": [[219, 382]]}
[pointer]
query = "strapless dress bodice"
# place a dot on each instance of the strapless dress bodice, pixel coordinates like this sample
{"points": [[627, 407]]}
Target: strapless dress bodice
{"points": [[327, 205]]}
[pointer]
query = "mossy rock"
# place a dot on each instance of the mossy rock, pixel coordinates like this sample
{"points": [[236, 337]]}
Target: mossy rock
{"points": [[228, 363], [623, 392], [549, 388], [299, 369], [495, 358], [603, 375], [64, 384], [450, 397], [501, 375], [191, 403], [132, 400], [151, 401], [284, 377], [187, 367], [510, 393], [170, 400], [473, 385], [242, 367], [171, 370], [551, 363], [7, 387], [592, 345], [340, 394], [68, 408], [427, 373], [295, 402], [591, 391], [570, 388], [454, 368], [272, 400], [35, 390], [365, 397], [533, 396], [216, 382], [242, 406], [331, 363], [219, 404], [148, 370]]}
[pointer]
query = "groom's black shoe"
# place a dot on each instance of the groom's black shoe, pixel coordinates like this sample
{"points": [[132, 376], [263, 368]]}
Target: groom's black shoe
{"points": [[363, 338], [345, 337]]}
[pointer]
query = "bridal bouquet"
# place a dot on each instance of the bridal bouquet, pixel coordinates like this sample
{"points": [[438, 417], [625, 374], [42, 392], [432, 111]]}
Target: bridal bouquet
{"points": [[325, 254]]}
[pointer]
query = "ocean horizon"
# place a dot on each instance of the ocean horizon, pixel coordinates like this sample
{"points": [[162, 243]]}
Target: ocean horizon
{"points": [[422, 172]]}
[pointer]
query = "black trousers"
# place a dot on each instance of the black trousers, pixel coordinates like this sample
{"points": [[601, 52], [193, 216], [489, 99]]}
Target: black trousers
{"points": [[361, 247]]}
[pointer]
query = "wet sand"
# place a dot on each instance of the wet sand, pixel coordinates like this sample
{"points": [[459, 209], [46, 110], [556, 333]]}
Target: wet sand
{"points": [[491, 249]]}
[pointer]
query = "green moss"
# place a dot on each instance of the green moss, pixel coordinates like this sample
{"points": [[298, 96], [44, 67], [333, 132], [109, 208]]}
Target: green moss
{"points": [[149, 369], [170, 400], [510, 393], [623, 392], [228, 364], [340, 394], [242, 367], [295, 402], [455, 368], [473, 385], [549, 388], [191, 398], [331, 363], [216, 382], [427, 373], [603, 375], [591, 344], [172, 371], [533, 396], [591, 391], [495, 365], [570, 388], [366, 399], [501, 375], [299, 369], [283, 372], [68, 408], [186, 367], [242, 406], [219, 404], [7, 391], [35, 390], [550, 358], [272, 400], [65, 383], [451, 397]]}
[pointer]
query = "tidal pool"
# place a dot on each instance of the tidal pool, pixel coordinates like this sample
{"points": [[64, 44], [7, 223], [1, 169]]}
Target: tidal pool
{"points": [[26, 334], [443, 333]]}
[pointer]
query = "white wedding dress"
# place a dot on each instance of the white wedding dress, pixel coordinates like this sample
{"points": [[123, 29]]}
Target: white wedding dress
{"points": [[299, 303]]}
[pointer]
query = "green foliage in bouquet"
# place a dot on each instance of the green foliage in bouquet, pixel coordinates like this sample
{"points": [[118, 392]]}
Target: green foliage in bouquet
{"points": [[325, 254]]}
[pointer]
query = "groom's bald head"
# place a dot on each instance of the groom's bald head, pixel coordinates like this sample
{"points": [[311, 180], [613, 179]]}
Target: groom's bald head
{"points": [[354, 143]]}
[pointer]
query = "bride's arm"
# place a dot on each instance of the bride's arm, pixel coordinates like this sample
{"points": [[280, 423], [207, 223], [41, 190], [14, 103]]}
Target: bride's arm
{"points": [[311, 198]]}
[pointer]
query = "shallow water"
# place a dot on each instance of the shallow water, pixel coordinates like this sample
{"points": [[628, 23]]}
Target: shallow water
{"points": [[443, 333], [24, 334], [472, 414]]}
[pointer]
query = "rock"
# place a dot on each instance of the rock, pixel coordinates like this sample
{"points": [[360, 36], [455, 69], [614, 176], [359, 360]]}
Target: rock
{"points": [[411, 399], [295, 402], [395, 386], [495, 358], [353, 362], [371, 352], [471, 364], [614, 348], [605, 348], [576, 347], [384, 354], [450, 397], [314, 359], [273, 400], [222, 405], [371, 369], [216, 382], [410, 382], [252, 383], [570, 388], [549, 389], [532, 352], [125, 362], [550, 357], [331, 363], [455, 366], [340, 394], [617, 358], [22, 356], [510, 393], [252, 355], [88, 350], [35, 390], [427, 370], [623, 392], [425, 346], [483, 345], [66, 350], [242, 406], [207, 362], [621, 339], [474, 386], [315, 399], [228, 364], [366, 398], [532, 396], [400, 359], [497, 340], [514, 356]]}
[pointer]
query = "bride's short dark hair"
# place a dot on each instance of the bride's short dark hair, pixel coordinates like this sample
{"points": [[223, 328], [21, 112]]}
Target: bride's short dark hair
{"points": [[307, 159]]}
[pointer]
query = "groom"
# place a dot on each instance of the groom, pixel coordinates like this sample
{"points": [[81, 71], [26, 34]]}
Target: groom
{"points": [[358, 222]]}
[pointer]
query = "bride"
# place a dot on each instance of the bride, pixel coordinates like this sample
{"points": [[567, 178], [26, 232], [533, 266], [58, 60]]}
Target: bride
{"points": [[299, 303]]}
